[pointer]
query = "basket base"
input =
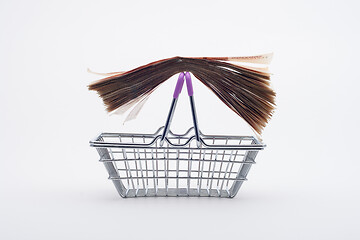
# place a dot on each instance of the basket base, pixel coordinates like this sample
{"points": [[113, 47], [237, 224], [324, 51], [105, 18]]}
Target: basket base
{"points": [[180, 192]]}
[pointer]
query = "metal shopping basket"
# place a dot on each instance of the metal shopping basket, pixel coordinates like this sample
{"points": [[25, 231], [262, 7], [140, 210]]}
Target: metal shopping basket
{"points": [[184, 165]]}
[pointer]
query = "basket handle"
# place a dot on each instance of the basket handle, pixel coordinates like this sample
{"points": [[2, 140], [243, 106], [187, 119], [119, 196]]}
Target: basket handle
{"points": [[177, 92], [179, 85], [192, 104]]}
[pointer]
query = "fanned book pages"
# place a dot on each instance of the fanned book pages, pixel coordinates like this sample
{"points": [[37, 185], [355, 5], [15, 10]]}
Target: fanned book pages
{"points": [[244, 89]]}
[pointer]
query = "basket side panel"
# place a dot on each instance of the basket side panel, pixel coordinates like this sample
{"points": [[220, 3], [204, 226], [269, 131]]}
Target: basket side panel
{"points": [[113, 173], [244, 169]]}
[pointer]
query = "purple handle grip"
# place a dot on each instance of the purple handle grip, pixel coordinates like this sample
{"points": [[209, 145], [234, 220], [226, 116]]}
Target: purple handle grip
{"points": [[189, 84], [179, 85]]}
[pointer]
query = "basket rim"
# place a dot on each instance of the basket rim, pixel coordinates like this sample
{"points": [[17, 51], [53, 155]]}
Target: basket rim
{"points": [[257, 145]]}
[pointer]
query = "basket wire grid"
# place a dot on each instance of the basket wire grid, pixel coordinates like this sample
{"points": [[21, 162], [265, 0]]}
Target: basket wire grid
{"points": [[167, 164]]}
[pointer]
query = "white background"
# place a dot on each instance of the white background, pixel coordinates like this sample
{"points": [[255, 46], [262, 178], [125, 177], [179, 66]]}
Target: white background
{"points": [[305, 184]]}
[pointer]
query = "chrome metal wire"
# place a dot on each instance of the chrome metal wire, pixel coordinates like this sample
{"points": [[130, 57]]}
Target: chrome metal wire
{"points": [[140, 167]]}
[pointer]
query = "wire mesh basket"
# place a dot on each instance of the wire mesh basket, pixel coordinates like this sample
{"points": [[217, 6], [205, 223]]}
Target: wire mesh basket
{"points": [[167, 164]]}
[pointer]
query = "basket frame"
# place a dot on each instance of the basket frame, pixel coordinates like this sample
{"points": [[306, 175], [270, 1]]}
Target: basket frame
{"points": [[105, 150]]}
